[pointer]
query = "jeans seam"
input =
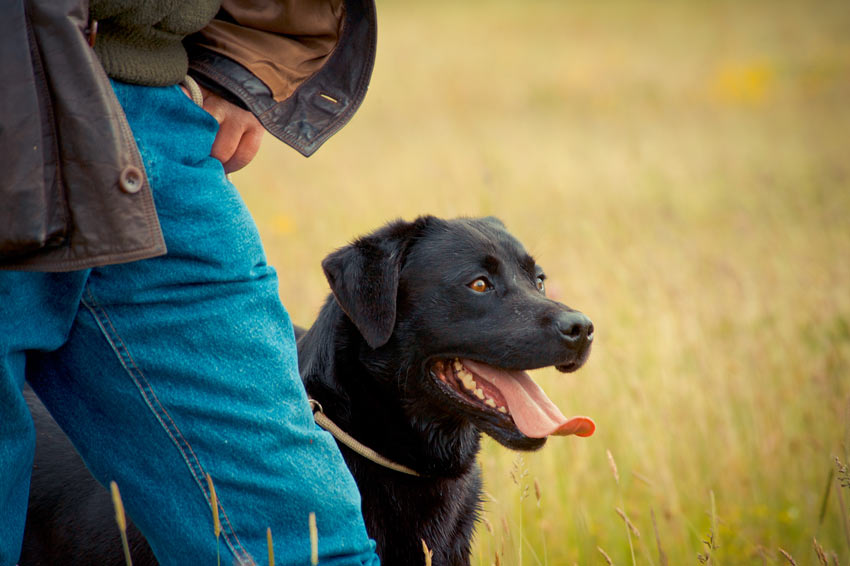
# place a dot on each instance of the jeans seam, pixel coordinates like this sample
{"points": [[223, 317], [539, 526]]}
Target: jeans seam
{"points": [[159, 412]]}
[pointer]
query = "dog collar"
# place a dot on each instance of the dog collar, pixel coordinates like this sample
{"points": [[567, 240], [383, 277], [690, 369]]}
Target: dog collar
{"points": [[326, 423]]}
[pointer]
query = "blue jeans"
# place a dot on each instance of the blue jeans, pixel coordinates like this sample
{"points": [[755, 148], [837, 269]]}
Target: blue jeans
{"points": [[163, 370]]}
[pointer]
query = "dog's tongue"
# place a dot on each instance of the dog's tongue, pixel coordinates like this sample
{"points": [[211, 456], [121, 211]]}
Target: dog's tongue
{"points": [[534, 414]]}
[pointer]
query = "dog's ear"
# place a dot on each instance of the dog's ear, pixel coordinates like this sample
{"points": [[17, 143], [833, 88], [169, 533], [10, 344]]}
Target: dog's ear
{"points": [[363, 277]]}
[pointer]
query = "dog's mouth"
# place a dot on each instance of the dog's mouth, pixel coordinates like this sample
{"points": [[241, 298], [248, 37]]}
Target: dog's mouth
{"points": [[509, 395]]}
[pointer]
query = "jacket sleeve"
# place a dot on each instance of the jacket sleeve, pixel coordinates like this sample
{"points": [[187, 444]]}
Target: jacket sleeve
{"points": [[82, 202], [301, 66]]}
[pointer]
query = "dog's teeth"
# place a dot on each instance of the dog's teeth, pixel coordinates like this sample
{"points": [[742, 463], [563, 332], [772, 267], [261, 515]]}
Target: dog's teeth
{"points": [[466, 379], [490, 403], [503, 410], [457, 365], [479, 393]]}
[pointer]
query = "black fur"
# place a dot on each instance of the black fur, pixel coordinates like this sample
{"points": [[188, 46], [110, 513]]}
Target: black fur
{"points": [[401, 303], [70, 519]]}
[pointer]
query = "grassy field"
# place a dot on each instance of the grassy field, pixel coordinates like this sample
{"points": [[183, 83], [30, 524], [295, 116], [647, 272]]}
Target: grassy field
{"points": [[682, 172]]}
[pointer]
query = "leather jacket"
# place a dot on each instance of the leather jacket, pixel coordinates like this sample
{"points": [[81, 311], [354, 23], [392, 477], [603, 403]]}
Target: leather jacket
{"points": [[73, 191]]}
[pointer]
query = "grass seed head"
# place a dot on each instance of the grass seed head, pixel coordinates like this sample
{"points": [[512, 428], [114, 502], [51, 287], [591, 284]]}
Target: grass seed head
{"points": [[613, 465], [605, 555], [819, 551], [843, 473], [629, 524], [788, 557]]}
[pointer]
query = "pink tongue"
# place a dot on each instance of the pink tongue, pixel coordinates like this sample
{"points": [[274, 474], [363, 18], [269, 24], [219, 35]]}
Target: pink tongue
{"points": [[534, 414]]}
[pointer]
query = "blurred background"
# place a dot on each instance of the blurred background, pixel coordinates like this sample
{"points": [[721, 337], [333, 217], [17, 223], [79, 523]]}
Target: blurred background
{"points": [[682, 172]]}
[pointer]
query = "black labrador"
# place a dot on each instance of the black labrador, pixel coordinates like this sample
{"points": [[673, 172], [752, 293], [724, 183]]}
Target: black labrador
{"points": [[422, 346]]}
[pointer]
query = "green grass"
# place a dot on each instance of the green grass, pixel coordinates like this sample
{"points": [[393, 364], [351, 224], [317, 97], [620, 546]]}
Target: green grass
{"points": [[682, 172]]}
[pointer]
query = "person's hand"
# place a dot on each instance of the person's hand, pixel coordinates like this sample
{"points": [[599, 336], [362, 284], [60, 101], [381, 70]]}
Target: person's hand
{"points": [[239, 133]]}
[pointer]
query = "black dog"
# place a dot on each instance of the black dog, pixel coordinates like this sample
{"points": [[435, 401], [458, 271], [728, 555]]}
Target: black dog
{"points": [[70, 518], [422, 347]]}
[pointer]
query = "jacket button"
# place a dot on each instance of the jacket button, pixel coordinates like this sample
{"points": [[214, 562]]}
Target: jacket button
{"points": [[131, 179]]}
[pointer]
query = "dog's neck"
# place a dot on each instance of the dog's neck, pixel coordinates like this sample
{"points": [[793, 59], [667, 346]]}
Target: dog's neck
{"points": [[334, 372]]}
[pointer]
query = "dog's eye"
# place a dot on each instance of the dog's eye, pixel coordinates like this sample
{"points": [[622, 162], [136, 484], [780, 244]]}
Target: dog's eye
{"points": [[541, 286], [480, 285]]}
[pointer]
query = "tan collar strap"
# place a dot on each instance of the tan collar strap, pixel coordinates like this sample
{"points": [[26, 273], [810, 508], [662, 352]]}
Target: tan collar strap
{"points": [[323, 421], [194, 90]]}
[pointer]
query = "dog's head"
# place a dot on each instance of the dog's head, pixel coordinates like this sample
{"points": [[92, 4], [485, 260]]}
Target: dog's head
{"points": [[453, 313]]}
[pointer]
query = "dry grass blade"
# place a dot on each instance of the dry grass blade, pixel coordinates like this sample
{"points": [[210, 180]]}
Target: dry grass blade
{"points": [[121, 519], [605, 554], [642, 478], [662, 557], [844, 481], [489, 496], [314, 540], [214, 505], [714, 532], [216, 521], [628, 522], [629, 527], [429, 554], [825, 500], [270, 545], [788, 557]]}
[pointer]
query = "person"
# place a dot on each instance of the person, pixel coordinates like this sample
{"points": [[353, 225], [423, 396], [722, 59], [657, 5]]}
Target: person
{"points": [[135, 298]]}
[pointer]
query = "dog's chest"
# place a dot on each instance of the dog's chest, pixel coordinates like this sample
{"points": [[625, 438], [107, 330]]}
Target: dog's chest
{"points": [[401, 512]]}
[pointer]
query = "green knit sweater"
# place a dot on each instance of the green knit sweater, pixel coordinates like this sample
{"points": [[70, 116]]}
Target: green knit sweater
{"points": [[141, 41]]}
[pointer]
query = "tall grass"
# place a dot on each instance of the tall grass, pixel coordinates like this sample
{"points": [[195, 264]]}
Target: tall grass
{"points": [[681, 171]]}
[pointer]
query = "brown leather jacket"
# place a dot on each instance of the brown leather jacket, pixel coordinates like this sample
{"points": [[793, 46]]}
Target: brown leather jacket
{"points": [[73, 192]]}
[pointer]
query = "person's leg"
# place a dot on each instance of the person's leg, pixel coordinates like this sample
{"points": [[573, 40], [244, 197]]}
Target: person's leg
{"points": [[185, 364], [36, 313]]}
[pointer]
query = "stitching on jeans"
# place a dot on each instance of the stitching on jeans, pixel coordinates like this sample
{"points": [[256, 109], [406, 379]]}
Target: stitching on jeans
{"points": [[147, 393], [149, 396]]}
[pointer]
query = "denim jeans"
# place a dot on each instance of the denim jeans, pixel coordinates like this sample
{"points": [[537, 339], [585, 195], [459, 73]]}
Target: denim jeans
{"points": [[163, 370]]}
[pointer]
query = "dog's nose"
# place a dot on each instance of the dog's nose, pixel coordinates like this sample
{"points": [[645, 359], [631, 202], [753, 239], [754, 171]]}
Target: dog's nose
{"points": [[575, 328]]}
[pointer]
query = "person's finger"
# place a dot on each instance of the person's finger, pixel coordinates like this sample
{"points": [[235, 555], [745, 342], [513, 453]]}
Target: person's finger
{"points": [[226, 140], [216, 108], [247, 149]]}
